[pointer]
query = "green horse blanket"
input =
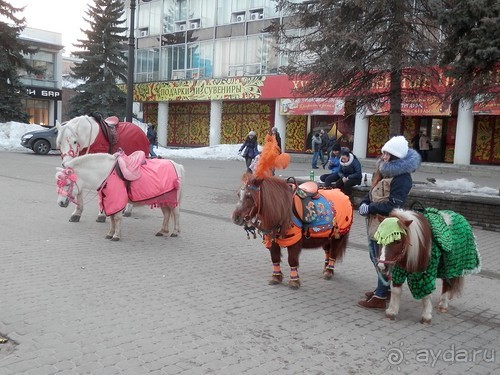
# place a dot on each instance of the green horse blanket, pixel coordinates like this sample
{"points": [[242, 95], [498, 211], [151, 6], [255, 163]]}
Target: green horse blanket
{"points": [[454, 253]]}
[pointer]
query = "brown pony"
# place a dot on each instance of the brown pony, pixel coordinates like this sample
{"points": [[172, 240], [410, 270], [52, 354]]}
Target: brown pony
{"points": [[267, 205], [421, 247]]}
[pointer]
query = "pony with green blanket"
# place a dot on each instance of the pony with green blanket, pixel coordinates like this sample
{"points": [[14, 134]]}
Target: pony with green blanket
{"points": [[419, 247]]}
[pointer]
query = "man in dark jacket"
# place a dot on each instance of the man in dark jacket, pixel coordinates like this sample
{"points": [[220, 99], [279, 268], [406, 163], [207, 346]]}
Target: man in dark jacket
{"points": [[350, 172]]}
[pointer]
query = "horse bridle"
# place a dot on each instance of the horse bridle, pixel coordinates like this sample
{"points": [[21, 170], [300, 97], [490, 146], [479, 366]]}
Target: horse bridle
{"points": [[64, 178], [397, 259], [74, 153]]}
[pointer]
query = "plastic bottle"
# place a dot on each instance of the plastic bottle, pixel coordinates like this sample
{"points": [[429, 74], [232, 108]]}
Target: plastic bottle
{"points": [[311, 176]]}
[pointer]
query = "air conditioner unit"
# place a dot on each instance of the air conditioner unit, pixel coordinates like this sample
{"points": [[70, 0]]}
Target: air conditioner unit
{"points": [[178, 74], [240, 18], [195, 25], [182, 27], [195, 73], [143, 32], [256, 16]]}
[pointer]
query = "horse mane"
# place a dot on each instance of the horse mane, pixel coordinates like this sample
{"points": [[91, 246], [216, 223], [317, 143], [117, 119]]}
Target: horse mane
{"points": [[418, 241], [275, 209], [79, 160]]}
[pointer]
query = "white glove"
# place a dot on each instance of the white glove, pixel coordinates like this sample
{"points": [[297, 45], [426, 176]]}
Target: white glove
{"points": [[363, 209]]}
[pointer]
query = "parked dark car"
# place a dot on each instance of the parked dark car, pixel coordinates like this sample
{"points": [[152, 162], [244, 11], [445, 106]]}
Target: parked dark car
{"points": [[40, 141]]}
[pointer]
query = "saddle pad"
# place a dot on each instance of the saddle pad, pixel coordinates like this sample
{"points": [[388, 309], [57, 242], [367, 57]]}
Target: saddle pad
{"points": [[158, 176], [317, 214], [129, 138]]}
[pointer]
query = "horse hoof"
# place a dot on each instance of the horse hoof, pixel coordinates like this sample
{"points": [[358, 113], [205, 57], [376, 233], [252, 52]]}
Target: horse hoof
{"points": [[328, 274], [442, 309], [100, 219], [174, 235], [108, 237], [275, 280], [127, 214], [425, 321], [74, 219], [390, 316], [114, 239], [159, 234], [294, 284]]}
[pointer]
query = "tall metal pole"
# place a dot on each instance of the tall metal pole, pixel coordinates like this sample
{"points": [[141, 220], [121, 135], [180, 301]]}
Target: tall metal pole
{"points": [[131, 64]]}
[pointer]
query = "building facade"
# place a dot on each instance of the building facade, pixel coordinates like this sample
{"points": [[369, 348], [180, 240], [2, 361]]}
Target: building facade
{"points": [[45, 89], [206, 72]]}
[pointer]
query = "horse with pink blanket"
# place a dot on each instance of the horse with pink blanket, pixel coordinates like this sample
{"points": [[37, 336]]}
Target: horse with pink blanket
{"points": [[92, 134], [120, 179]]}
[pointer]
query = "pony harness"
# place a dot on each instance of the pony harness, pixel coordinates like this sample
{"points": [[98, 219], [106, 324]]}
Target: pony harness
{"points": [[331, 203]]}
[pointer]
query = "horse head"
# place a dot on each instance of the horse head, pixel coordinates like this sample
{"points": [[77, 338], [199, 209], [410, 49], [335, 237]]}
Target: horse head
{"points": [[265, 203], [406, 241], [74, 136], [248, 203], [66, 181]]}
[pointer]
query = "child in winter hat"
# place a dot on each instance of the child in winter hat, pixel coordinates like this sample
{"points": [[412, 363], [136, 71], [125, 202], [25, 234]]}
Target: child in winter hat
{"points": [[397, 146]]}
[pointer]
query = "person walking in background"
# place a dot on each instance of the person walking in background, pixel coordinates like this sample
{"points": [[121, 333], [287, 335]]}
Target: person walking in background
{"points": [[276, 134], [415, 142], [249, 149], [333, 166], [153, 140], [350, 173], [324, 147], [317, 153], [391, 184], [331, 142], [424, 145]]}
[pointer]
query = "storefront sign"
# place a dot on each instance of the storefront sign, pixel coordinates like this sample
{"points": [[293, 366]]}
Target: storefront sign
{"points": [[312, 106], [414, 106], [491, 107], [44, 93]]}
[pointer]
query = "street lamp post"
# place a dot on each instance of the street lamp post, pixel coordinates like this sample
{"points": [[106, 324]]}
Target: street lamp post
{"points": [[131, 63]]}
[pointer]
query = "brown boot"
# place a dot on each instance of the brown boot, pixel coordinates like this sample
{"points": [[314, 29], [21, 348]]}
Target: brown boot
{"points": [[369, 295], [373, 303]]}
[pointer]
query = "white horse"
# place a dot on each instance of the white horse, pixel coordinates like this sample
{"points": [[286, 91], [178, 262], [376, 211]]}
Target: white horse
{"points": [[99, 172], [86, 134]]}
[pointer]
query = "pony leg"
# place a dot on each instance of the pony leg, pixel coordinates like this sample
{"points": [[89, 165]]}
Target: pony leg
{"points": [[450, 288], [329, 268], [77, 213], [112, 227], [176, 216], [444, 299], [164, 226], [127, 212], [293, 262], [275, 252], [393, 310], [426, 310], [334, 252], [115, 230], [101, 218], [294, 281]]}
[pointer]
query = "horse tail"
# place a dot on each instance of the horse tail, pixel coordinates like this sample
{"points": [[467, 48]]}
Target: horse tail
{"points": [[338, 247], [455, 286]]}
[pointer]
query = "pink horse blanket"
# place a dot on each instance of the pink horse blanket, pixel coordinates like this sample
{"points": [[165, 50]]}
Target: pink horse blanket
{"points": [[129, 137], [156, 186]]}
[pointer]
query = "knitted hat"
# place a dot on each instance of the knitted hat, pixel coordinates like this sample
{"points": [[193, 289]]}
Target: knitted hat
{"points": [[397, 146], [251, 133], [336, 147]]}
